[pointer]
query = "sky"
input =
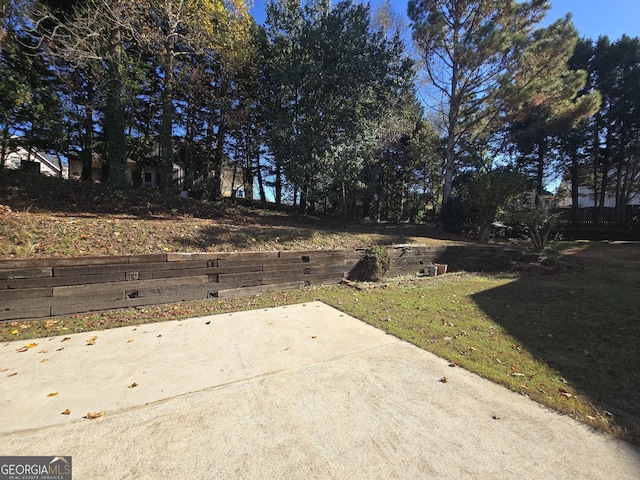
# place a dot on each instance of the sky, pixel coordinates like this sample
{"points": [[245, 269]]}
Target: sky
{"points": [[592, 18]]}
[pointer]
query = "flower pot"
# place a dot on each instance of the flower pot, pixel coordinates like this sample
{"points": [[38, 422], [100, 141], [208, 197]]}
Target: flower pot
{"points": [[441, 268]]}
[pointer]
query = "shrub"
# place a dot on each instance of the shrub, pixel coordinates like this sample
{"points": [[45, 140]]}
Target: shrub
{"points": [[375, 264], [540, 221]]}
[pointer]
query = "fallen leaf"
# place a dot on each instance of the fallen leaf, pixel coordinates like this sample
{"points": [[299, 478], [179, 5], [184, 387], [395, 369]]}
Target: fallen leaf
{"points": [[314, 336], [66, 412], [453, 364], [23, 349], [12, 374], [65, 339], [443, 380], [92, 415], [133, 385], [563, 391], [42, 351], [515, 374], [495, 417], [52, 394], [44, 360], [92, 340], [31, 345], [60, 349], [130, 340], [15, 332]]}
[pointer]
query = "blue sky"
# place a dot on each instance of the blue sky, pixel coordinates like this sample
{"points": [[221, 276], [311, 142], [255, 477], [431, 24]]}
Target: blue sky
{"points": [[592, 18]]}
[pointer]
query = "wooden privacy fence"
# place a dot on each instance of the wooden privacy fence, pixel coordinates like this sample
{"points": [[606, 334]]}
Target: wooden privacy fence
{"points": [[39, 288]]}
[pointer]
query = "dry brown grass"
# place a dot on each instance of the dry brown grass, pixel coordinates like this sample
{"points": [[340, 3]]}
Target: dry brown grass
{"points": [[45, 217]]}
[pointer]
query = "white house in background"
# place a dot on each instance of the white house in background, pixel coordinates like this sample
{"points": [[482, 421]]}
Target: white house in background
{"points": [[39, 162], [145, 176], [586, 197]]}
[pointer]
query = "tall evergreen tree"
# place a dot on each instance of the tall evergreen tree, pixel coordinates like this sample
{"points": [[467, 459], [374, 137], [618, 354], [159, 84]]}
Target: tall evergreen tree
{"points": [[471, 48], [544, 99], [616, 71], [92, 36], [330, 78], [29, 108], [605, 149]]}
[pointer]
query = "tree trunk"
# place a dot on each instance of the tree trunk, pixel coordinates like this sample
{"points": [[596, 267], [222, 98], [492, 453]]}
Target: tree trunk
{"points": [[619, 206], [595, 160], [575, 188], [448, 169], [603, 192], [114, 122], [166, 125], [233, 181], [304, 191], [542, 151], [218, 159], [278, 184], [263, 196], [4, 148], [87, 145], [247, 177]]}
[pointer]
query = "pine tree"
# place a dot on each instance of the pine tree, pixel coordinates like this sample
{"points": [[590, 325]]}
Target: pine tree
{"points": [[471, 48], [544, 99]]}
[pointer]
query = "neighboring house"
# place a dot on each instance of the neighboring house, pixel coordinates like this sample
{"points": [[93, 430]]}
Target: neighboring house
{"points": [[32, 160], [586, 197], [231, 181], [547, 199], [146, 176], [136, 176]]}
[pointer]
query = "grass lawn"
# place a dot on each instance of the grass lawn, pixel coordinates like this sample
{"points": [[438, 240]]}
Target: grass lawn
{"points": [[566, 336]]}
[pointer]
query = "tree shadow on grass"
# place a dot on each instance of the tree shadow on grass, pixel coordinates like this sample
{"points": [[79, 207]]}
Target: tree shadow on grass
{"points": [[583, 323], [243, 237], [304, 233]]}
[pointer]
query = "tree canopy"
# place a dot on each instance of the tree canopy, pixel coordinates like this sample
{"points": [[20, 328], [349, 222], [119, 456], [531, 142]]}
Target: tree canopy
{"points": [[323, 102]]}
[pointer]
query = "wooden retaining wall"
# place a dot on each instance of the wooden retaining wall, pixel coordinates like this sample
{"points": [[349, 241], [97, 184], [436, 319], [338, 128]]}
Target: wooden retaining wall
{"points": [[39, 288]]}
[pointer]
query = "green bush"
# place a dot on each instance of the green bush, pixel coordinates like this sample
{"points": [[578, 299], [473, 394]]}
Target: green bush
{"points": [[375, 264]]}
